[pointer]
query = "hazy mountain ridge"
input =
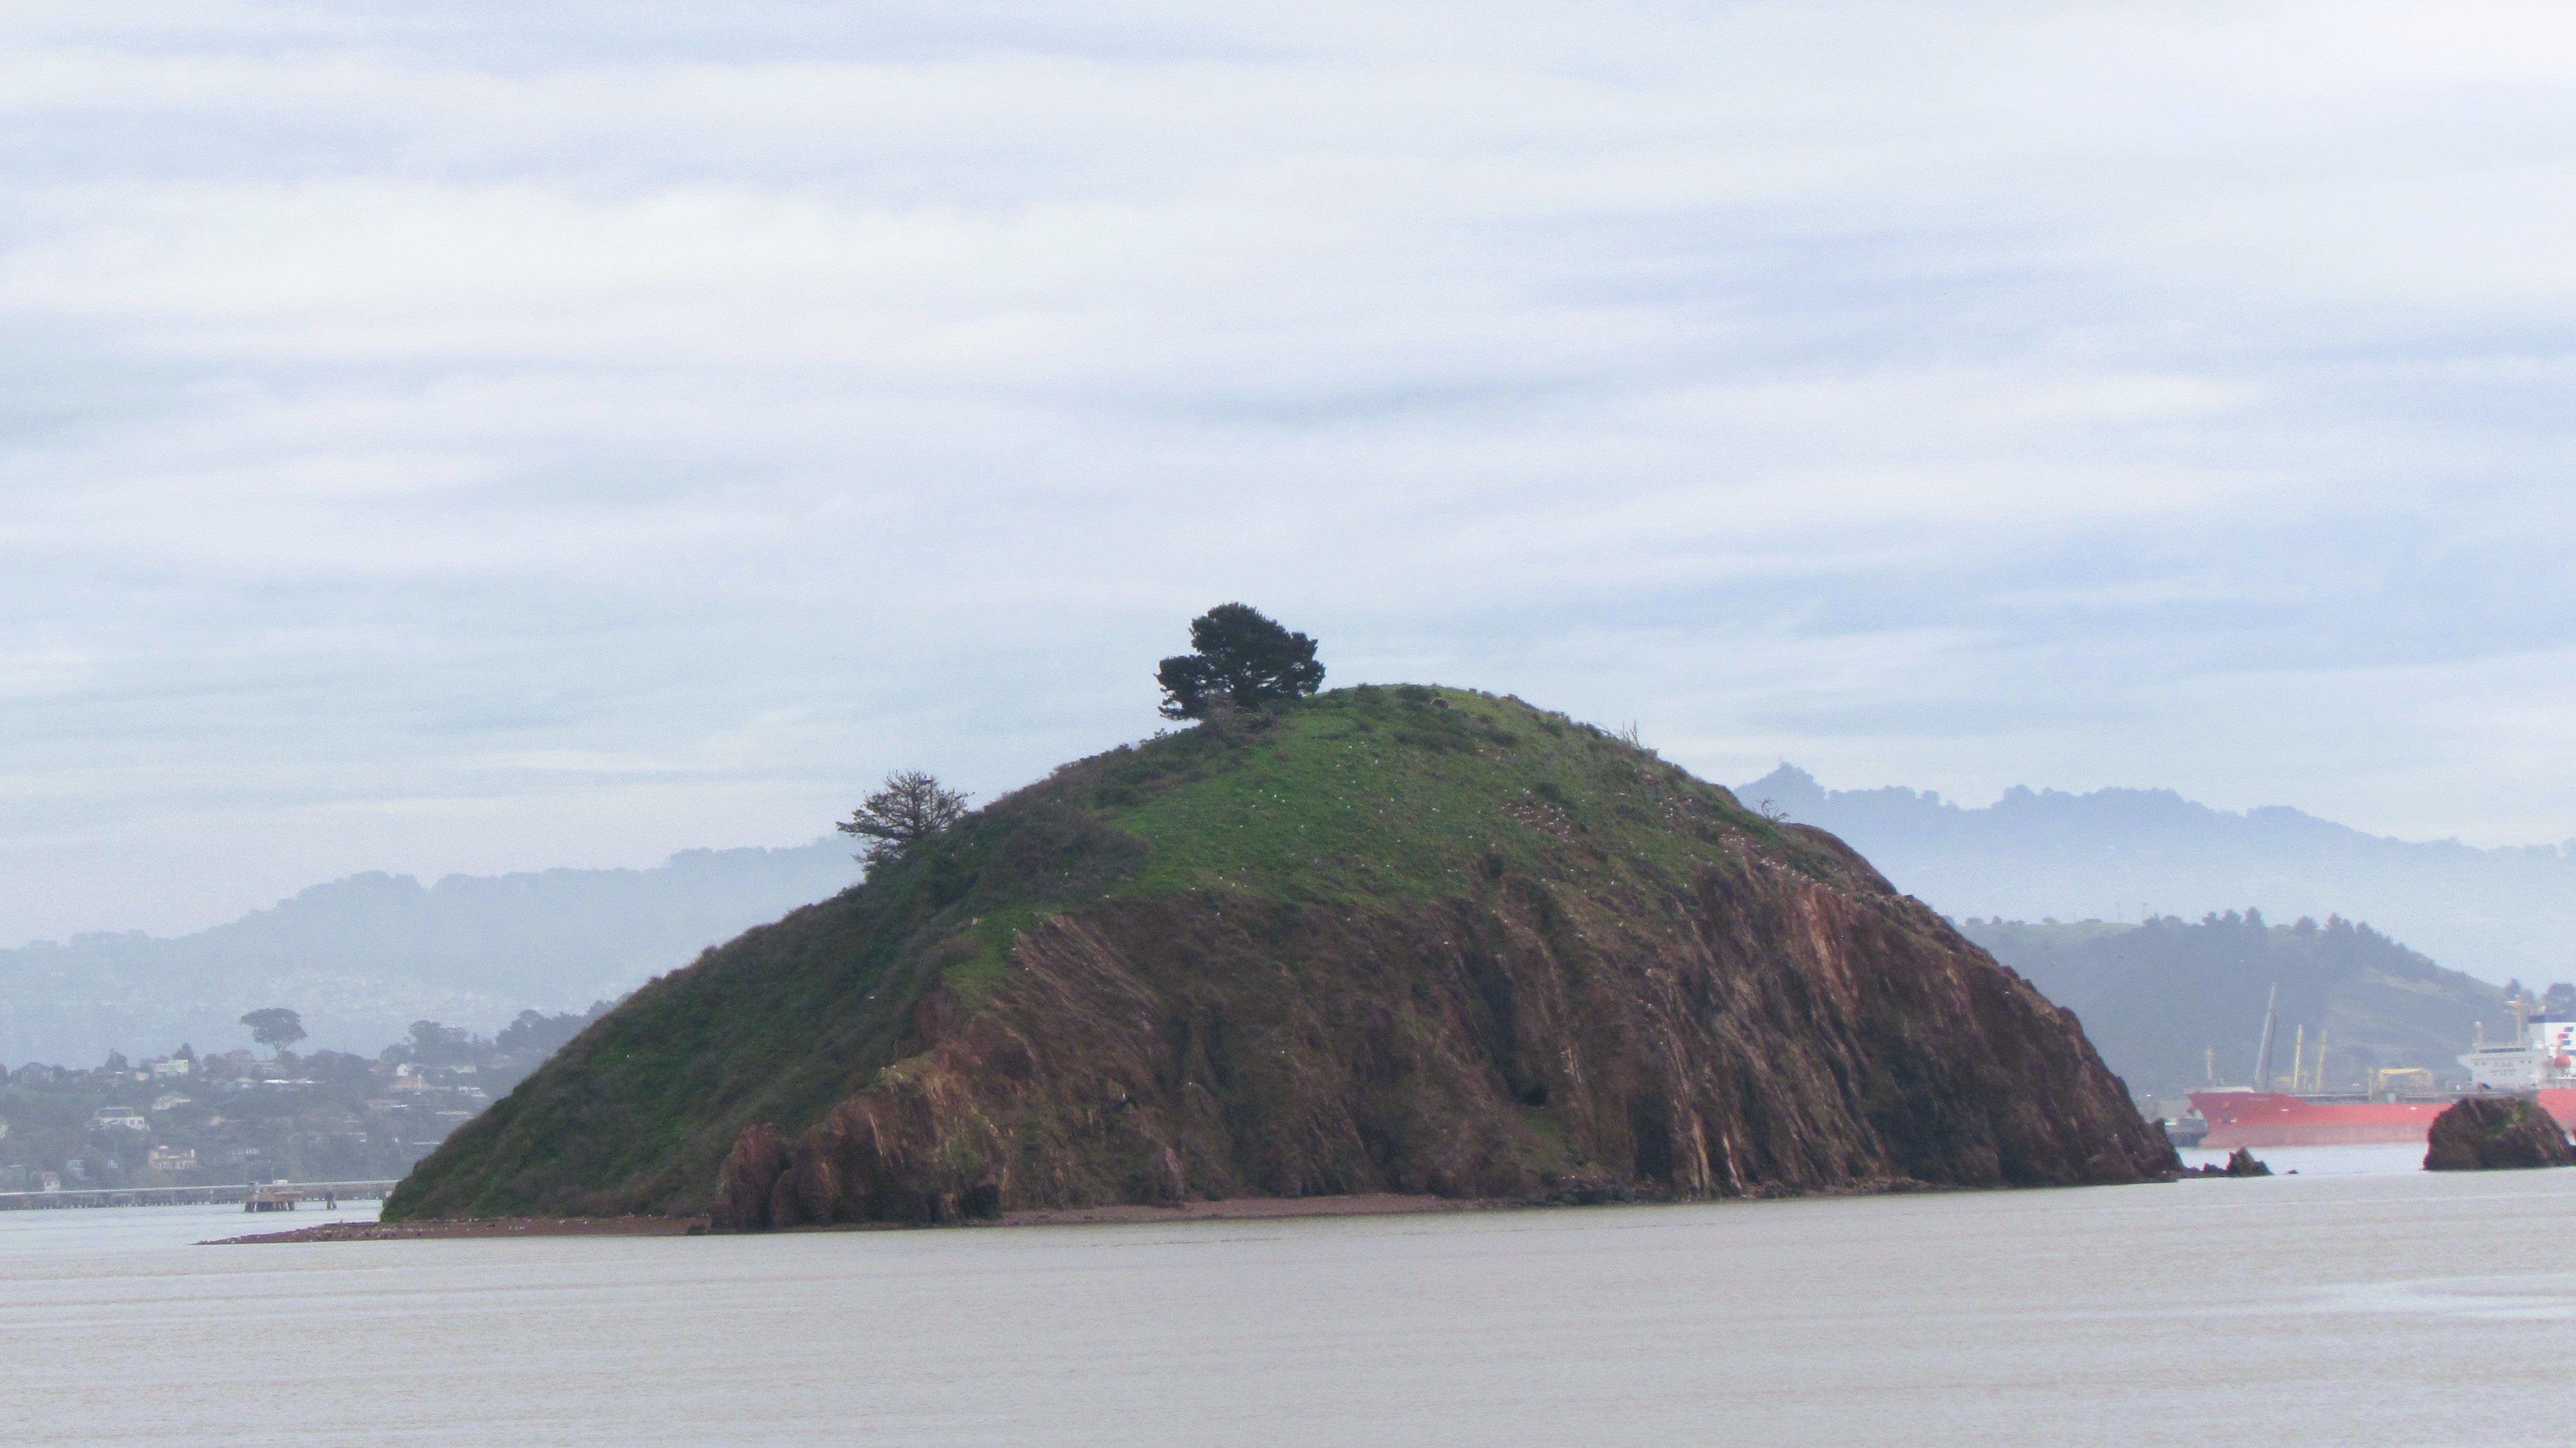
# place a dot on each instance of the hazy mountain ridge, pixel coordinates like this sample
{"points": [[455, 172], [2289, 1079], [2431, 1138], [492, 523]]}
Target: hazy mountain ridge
{"points": [[2494, 913], [363, 957]]}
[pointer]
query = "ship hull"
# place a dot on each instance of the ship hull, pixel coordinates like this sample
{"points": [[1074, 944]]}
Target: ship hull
{"points": [[2273, 1118]]}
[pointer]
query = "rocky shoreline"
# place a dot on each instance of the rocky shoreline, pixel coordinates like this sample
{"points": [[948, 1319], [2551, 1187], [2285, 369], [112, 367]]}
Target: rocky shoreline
{"points": [[489, 1227], [1380, 1204], [1237, 1209]]}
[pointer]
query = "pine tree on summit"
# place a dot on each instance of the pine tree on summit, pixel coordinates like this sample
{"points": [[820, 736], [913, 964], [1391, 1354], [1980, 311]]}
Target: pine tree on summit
{"points": [[1242, 660]]}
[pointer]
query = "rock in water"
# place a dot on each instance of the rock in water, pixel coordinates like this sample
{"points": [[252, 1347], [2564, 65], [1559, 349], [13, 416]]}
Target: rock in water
{"points": [[1381, 940], [2485, 1133], [2240, 1163]]}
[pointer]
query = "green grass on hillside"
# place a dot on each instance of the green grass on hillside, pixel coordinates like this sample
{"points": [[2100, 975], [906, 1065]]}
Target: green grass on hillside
{"points": [[1381, 794], [1363, 796]]}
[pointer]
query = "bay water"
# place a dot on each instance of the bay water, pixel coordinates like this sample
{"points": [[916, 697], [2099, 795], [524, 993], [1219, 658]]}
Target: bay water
{"points": [[2367, 1305]]}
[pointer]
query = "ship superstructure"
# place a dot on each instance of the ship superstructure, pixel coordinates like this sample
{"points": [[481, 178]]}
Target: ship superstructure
{"points": [[2542, 1057]]}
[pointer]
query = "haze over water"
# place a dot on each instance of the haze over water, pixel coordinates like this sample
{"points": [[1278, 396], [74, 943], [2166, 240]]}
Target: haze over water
{"points": [[2369, 1308]]}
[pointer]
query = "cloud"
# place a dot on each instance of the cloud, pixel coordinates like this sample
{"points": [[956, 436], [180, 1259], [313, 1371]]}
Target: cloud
{"points": [[495, 438]]}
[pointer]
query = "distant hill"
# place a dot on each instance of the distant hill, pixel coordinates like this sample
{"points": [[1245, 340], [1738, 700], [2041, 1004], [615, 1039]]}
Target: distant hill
{"points": [[2495, 914], [362, 958], [2169, 1002]]}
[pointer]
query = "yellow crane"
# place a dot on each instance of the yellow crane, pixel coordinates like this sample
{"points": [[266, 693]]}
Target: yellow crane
{"points": [[2388, 1078]]}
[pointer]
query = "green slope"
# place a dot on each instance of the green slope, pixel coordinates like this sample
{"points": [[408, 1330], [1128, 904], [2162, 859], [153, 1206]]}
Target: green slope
{"points": [[1360, 798]]}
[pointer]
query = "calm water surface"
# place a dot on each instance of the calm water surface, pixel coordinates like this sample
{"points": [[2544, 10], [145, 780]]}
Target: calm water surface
{"points": [[2351, 1307]]}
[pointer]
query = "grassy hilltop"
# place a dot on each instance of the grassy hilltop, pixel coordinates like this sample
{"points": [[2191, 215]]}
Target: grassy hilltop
{"points": [[1306, 947]]}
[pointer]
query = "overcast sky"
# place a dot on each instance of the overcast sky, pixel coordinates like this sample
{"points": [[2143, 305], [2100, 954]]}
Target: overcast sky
{"points": [[484, 442]]}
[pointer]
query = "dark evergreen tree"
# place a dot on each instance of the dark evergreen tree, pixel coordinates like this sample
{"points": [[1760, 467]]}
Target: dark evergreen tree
{"points": [[1240, 659], [912, 807], [275, 1027]]}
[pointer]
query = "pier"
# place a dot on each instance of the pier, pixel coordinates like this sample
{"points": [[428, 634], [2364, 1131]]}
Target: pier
{"points": [[237, 1194]]}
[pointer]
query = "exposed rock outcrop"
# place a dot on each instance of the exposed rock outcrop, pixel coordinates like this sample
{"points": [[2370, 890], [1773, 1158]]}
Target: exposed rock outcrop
{"points": [[1754, 1034], [2240, 1163], [2488, 1133]]}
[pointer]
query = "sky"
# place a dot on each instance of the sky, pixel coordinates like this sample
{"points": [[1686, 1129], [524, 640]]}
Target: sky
{"points": [[480, 437]]}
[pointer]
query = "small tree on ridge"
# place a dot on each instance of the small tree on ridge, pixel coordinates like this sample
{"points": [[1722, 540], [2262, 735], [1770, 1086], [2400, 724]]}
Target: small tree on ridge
{"points": [[911, 808], [1241, 659]]}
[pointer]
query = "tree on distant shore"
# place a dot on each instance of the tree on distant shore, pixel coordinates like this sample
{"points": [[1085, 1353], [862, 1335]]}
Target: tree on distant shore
{"points": [[912, 807], [1241, 659], [275, 1027]]}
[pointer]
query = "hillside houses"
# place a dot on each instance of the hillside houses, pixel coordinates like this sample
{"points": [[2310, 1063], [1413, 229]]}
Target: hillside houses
{"points": [[322, 1116]]}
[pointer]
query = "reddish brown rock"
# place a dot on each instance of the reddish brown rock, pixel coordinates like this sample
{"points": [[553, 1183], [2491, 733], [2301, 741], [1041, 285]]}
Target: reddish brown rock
{"points": [[1755, 1034], [744, 1184], [2488, 1133]]}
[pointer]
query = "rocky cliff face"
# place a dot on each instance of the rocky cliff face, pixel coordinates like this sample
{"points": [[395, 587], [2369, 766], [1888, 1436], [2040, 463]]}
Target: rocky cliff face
{"points": [[1755, 1033], [1395, 941], [2487, 1133]]}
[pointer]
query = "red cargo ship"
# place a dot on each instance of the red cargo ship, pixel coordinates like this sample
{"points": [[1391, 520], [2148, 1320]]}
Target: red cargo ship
{"points": [[2276, 1118], [2541, 1063]]}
